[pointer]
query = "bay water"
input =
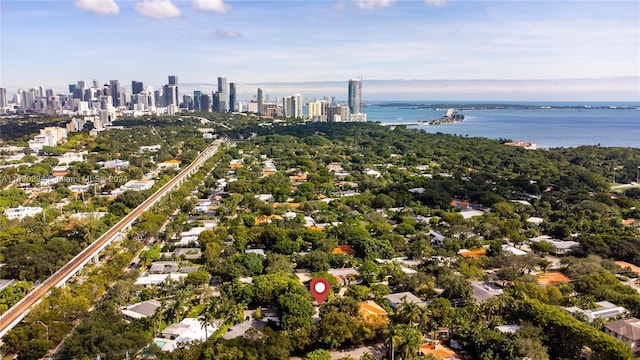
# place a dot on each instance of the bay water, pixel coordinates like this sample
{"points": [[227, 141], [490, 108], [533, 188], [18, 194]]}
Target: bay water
{"points": [[548, 124]]}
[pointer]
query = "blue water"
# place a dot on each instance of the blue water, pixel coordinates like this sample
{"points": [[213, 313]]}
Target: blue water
{"points": [[546, 127]]}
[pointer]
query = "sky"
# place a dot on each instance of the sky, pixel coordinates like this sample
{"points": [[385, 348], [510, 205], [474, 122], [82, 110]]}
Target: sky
{"points": [[417, 50]]}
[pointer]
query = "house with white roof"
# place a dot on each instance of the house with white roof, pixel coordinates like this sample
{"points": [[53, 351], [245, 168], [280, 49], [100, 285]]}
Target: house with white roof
{"points": [[22, 212], [605, 310], [114, 164], [187, 331], [190, 236], [372, 172], [133, 185], [147, 280], [149, 148], [70, 157], [562, 247], [87, 215], [397, 299]]}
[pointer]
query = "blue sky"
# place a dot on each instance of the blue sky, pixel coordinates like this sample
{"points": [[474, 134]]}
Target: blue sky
{"points": [[524, 47]]}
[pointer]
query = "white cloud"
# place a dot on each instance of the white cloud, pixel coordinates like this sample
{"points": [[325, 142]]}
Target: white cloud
{"points": [[157, 9], [224, 34], [99, 7], [211, 5], [374, 4], [436, 2]]}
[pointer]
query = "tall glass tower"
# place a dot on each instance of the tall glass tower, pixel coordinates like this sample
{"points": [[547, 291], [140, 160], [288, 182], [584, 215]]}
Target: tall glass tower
{"points": [[355, 96]]}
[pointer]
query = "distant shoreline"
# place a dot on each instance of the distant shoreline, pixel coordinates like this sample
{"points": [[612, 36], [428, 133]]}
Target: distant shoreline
{"points": [[467, 107]]}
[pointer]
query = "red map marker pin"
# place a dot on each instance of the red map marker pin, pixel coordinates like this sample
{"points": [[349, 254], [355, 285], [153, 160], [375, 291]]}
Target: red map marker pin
{"points": [[320, 289]]}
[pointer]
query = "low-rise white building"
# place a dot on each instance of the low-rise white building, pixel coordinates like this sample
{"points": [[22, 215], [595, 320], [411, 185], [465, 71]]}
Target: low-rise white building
{"points": [[69, 157], [185, 332], [87, 215], [115, 164], [190, 236], [169, 164], [133, 185], [22, 212], [149, 148], [605, 310]]}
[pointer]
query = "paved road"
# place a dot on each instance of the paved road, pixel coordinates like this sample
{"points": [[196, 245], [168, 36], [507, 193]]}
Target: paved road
{"points": [[12, 316]]}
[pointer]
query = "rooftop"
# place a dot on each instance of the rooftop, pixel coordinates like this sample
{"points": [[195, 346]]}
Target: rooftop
{"points": [[343, 249], [552, 278], [438, 350], [398, 298], [371, 308], [629, 328], [142, 310]]}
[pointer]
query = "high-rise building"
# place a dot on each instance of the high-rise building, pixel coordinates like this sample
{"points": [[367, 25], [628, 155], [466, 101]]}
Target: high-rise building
{"points": [[114, 86], [296, 106], [232, 98], [355, 96], [205, 103], [72, 88], [260, 101], [157, 95], [337, 113], [217, 103], [3, 98], [315, 111], [287, 107], [48, 93], [170, 95], [173, 80], [187, 101], [96, 83], [224, 94], [196, 100], [136, 87]]}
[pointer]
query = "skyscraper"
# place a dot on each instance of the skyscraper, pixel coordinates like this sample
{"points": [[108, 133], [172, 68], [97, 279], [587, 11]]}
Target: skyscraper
{"points": [[170, 94], [260, 101], [3, 98], [224, 94], [136, 87], [232, 97], [205, 103], [296, 106], [173, 80], [114, 86], [217, 104], [196, 100], [355, 96]]}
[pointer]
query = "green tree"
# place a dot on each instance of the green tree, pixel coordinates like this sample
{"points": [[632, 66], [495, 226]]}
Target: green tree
{"points": [[297, 311], [319, 354]]}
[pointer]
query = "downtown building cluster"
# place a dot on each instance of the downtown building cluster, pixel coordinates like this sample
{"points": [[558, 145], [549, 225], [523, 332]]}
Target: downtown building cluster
{"points": [[108, 101]]}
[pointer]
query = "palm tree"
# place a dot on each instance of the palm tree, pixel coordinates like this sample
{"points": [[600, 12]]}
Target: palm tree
{"points": [[207, 319], [408, 341], [410, 312], [392, 338]]}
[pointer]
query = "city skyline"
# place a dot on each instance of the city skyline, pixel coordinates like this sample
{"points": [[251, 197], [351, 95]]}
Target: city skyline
{"points": [[584, 50]]}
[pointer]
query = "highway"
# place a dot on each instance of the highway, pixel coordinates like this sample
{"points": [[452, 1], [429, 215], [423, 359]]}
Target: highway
{"points": [[16, 313]]}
